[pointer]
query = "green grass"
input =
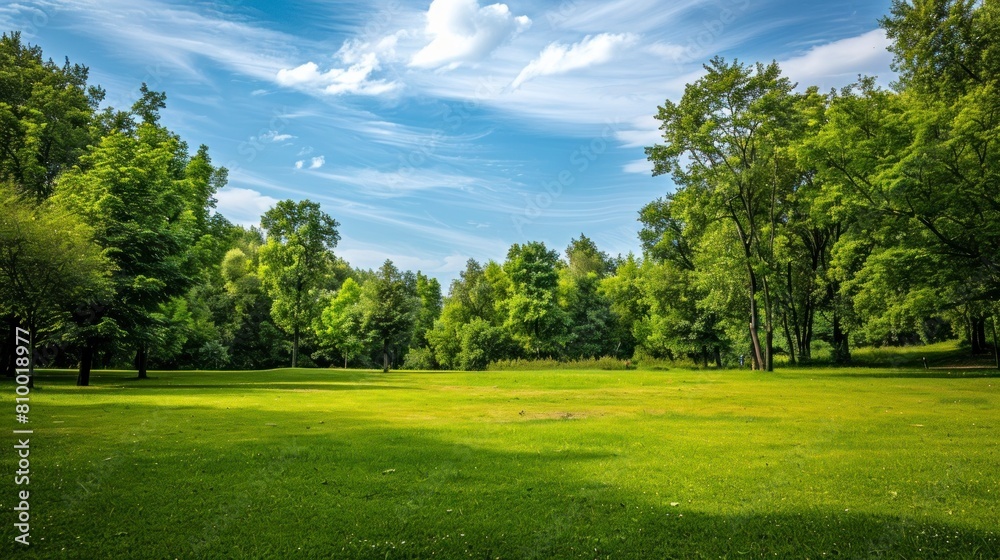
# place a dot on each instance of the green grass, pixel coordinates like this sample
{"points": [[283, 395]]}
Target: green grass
{"points": [[549, 464]]}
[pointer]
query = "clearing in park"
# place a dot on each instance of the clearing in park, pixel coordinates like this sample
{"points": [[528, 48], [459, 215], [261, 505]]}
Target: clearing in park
{"points": [[804, 463]]}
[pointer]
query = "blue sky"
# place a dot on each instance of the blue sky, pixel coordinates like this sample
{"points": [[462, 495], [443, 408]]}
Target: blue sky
{"points": [[439, 131]]}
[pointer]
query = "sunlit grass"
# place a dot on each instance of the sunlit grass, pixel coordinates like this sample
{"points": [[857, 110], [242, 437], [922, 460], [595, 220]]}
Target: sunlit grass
{"points": [[570, 464]]}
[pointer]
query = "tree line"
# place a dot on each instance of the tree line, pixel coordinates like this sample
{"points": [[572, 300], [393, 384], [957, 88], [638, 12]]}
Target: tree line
{"points": [[803, 221]]}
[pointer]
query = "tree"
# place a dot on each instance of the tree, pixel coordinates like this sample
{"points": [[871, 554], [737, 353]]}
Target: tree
{"points": [[588, 310], [49, 264], [942, 184], [428, 291], [724, 142], [388, 310], [340, 325], [531, 309], [128, 188], [45, 115], [294, 262]]}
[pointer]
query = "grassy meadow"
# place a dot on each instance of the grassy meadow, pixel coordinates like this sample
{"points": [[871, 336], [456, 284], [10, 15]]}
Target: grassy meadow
{"points": [[800, 463]]}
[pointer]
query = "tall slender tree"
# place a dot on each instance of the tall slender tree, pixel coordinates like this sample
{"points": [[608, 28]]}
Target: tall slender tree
{"points": [[294, 264]]}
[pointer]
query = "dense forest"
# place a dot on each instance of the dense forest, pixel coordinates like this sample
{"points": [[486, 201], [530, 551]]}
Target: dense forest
{"points": [[803, 223]]}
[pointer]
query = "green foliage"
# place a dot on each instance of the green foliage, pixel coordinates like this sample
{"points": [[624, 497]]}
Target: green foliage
{"points": [[340, 325], [49, 264], [531, 309], [295, 263], [388, 309], [46, 112]]}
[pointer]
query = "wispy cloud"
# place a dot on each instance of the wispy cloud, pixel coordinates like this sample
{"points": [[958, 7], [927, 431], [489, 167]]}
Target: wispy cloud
{"points": [[559, 59], [317, 162], [838, 63]]}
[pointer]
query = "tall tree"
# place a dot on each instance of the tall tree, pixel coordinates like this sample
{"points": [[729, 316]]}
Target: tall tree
{"points": [[139, 215], [49, 265], [388, 309], [531, 309], [943, 183], [294, 263], [724, 141], [341, 323], [46, 111]]}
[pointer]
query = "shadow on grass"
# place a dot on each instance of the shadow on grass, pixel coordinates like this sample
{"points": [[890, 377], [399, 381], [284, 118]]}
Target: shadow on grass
{"points": [[314, 380], [367, 489], [919, 374]]}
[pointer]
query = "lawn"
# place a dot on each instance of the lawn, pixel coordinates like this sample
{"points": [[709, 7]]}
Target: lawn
{"points": [[810, 463]]}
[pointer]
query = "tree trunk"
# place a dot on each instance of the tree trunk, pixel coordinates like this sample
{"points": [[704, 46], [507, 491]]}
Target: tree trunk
{"points": [[769, 348], [141, 355], [295, 347], [86, 361], [704, 356], [996, 349], [981, 334], [345, 362], [7, 355], [841, 346], [757, 357], [385, 356], [718, 358], [788, 339]]}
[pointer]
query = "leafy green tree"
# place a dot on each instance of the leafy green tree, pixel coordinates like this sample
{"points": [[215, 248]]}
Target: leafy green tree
{"points": [[627, 303], [476, 293], [49, 264], [388, 309], [139, 216], [295, 262], [724, 142], [588, 310], [252, 339], [942, 183], [531, 309], [482, 343], [46, 111], [428, 291], [340, 325]]}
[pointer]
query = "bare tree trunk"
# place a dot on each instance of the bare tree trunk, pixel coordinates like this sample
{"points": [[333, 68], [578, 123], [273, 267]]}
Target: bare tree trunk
{"points": [[295, 347], [141, 358], [841, 346], [996, 349], [86, 363], [757, 357], [788, 338], [7, 356], [385, 356]]}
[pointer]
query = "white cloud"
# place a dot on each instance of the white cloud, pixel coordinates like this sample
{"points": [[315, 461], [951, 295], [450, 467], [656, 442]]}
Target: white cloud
{"points": [[354, 79], [838, 63], [640, 166], [462, 31], [299, 164], [243, 206], [317, 162], [404, 182], [275, 137], [559, 59]]}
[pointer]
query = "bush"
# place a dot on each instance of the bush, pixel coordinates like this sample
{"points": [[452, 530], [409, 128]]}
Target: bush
{"points": [[419, 358], [605, 363]]}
